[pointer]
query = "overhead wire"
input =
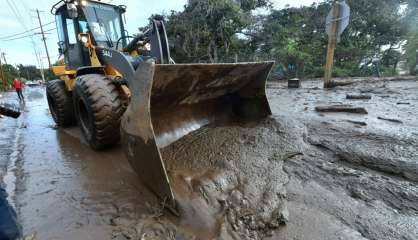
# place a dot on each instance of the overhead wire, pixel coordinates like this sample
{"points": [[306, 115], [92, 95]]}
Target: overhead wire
{"points": [[27, 36], [19, 17], [16, 12], [27, 31]]}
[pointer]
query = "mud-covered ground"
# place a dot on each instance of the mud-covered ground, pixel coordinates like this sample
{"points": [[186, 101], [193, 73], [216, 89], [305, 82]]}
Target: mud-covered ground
{"points": [[357, 177], [297, 175]]}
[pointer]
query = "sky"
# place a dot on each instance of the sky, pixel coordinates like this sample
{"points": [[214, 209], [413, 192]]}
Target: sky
{"points": [[16, 16]]}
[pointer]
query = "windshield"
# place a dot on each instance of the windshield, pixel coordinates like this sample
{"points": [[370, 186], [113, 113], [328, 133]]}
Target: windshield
{"points": [[104, 23]]}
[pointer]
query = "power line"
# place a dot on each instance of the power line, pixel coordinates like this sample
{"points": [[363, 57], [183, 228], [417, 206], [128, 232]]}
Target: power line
{"points": [[22, 37], [30, 30], [16, 12], [19, 17], [49, 30], [27, 36]]}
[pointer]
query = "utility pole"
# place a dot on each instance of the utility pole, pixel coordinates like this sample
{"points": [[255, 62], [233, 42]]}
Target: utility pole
{"points": [[2, 75], [43, 38], [332, 43], [3, 54], [3, 78], [40, 66], [18, 70]]}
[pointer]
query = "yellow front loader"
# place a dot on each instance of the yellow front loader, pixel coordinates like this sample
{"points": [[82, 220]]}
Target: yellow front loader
{"points": [[133, 91]]}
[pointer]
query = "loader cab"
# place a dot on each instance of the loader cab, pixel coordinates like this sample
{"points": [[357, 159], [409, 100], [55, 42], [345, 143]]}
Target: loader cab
{"points": [[102, 21]]}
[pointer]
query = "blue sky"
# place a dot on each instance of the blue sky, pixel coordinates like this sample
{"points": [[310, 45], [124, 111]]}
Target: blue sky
{"points": [[23, 50]]}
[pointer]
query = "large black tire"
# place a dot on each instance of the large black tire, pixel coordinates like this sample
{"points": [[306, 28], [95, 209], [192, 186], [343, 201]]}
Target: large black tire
{"points": [[99, 109], [60, 103]]}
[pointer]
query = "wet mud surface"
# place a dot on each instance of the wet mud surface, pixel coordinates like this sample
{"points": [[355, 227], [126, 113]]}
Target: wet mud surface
{"points": [[297, 175], [237, 173], [357, 176]]}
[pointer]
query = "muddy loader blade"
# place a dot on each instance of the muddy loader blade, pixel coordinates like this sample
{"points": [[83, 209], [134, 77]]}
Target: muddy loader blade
{"points": [[170, 101]]}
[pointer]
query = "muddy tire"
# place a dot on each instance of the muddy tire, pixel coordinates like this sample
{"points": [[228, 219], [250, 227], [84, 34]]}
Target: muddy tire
{"points": [[60, 103], [98, 108]]}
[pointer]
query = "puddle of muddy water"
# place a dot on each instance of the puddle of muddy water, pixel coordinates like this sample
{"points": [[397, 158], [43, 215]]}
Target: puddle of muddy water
{"points": [[10, 179], [11, 154]]}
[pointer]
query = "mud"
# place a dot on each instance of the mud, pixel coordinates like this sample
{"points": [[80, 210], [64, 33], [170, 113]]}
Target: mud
{"points": [[357, 180], [237, 173], [229, 183], [297, 175], [7, 131]]}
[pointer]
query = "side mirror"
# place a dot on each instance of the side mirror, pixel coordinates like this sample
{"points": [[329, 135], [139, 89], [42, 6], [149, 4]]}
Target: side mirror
{"points": [[72, 10]]}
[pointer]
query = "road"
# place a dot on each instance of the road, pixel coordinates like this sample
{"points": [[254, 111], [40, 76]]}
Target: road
{"points": [[332, 176]]}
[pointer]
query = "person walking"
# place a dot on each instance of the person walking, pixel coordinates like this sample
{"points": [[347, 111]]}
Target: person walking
{"points": [[18, 86]]}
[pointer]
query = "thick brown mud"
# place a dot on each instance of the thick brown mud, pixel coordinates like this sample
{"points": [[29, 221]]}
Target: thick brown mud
{"points": [[297, 175], [236, 171], [353, 181]]}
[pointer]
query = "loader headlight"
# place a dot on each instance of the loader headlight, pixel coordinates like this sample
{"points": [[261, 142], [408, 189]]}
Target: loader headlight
{"points": [[148, 47], [84, 38], [83, 3]]}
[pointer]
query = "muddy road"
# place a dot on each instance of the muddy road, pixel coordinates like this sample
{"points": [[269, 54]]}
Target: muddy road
{"points": [[297, 175]]}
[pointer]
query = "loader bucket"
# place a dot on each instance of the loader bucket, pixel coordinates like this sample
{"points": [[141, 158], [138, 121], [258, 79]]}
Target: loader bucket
{"points": [[170, 101]]}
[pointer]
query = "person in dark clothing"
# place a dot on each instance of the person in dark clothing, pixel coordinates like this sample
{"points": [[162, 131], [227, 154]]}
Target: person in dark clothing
{"points": [[9, 227], [18, 85]]}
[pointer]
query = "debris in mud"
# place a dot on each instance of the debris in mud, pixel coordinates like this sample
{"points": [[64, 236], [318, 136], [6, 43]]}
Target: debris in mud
{"points": [[390, 120], [30, 237], [341, 83], [9, 111], [341, 108], [357, 122], [294, 83], [358, 97], [403, 103]]}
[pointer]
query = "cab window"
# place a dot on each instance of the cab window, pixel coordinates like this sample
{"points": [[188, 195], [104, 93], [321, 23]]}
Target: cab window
{"points": [[72, 38]]}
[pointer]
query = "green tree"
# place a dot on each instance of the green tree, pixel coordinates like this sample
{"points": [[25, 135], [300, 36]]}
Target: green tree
{"points": [[297, 36], [29, 72], [207, 30], [10, 73]]}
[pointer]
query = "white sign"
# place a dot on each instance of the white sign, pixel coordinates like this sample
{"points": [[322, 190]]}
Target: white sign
{"points": [[343, 19]]}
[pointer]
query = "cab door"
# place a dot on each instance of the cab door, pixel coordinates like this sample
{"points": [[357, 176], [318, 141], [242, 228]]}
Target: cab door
{"points": [[75, 54]]}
